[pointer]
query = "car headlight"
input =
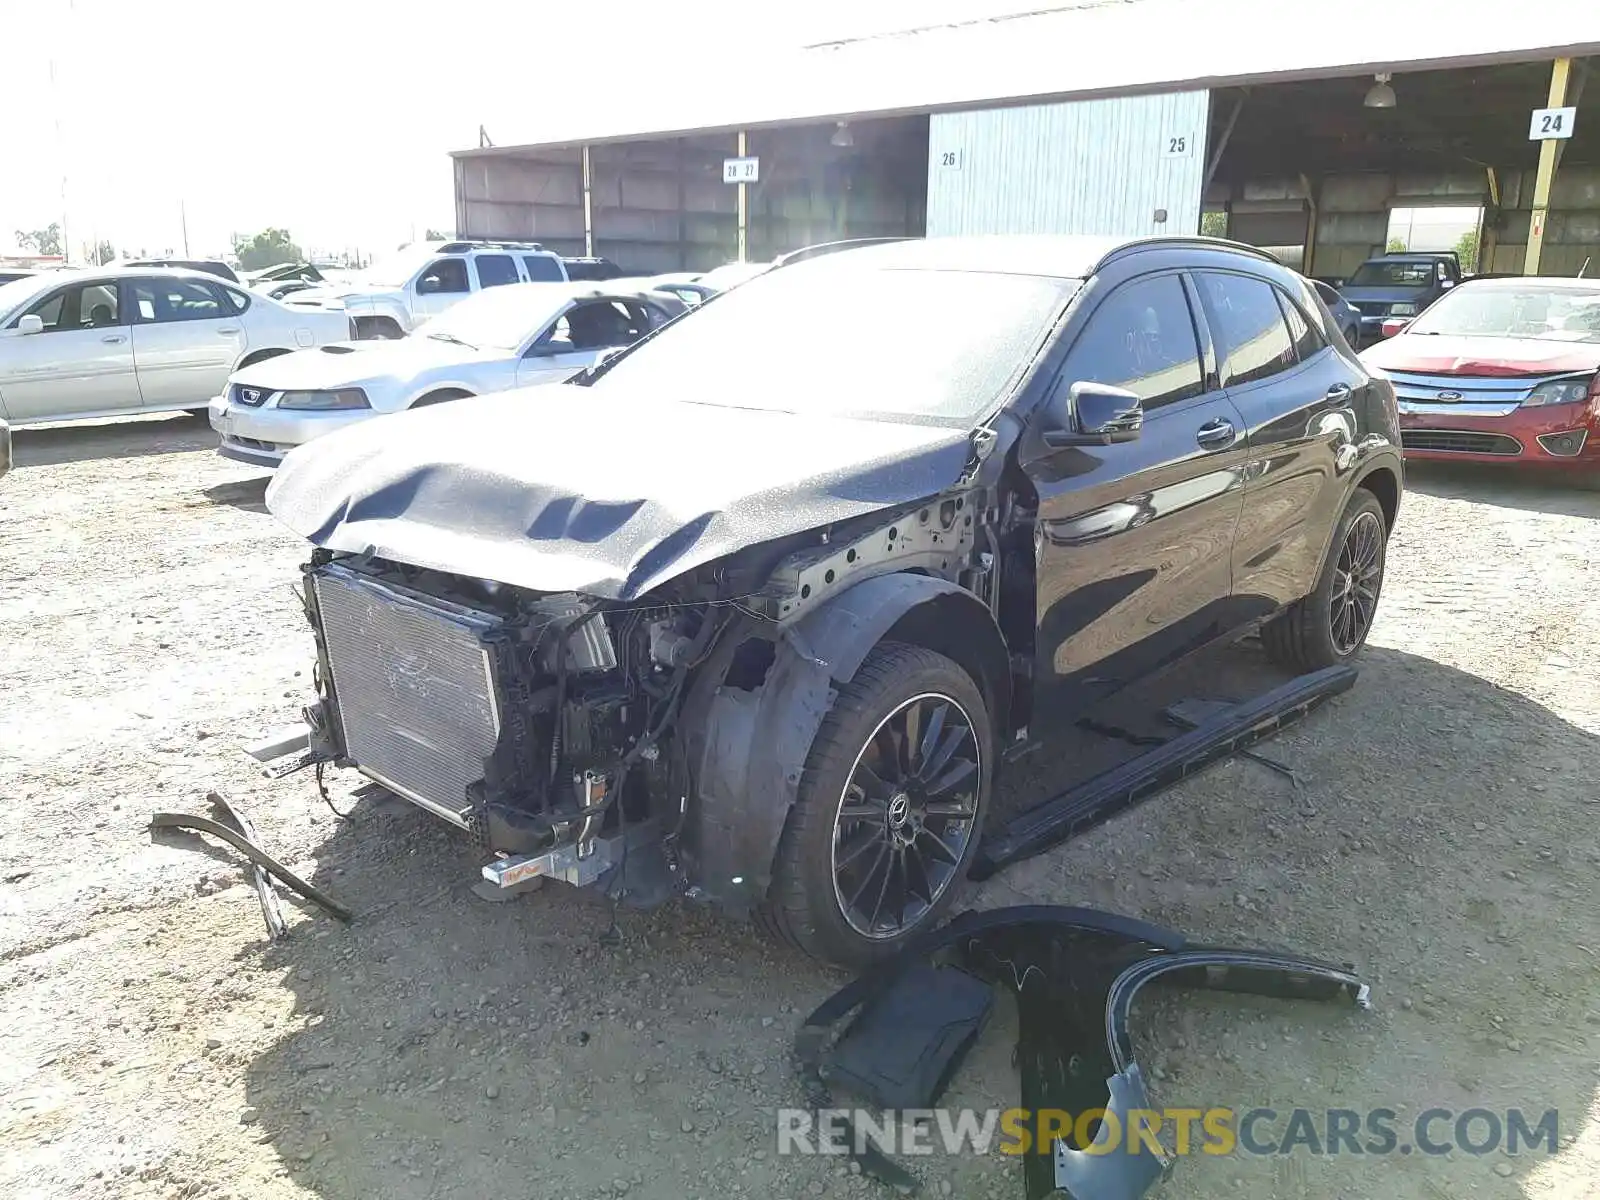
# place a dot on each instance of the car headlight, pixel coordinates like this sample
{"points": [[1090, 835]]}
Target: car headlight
{"points": [[1564, 391], [1402, 310], [325, 401]]}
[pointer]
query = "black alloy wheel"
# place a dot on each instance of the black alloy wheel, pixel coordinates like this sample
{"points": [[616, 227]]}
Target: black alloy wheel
{"points": [[1356, 580], [906, 816]]}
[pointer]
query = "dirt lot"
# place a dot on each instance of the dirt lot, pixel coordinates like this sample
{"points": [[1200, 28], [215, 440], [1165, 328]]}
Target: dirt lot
{"points": [[154, 1044]]}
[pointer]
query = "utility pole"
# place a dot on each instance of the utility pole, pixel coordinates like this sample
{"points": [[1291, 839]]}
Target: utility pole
{"points": [[183, 219]]}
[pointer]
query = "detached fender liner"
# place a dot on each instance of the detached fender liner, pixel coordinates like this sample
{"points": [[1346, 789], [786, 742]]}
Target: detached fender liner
{"points": [[1075, 973]]}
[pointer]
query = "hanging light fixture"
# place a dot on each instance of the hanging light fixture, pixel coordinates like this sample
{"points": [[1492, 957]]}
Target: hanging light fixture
{"points": [[842, 135], [1380, 94]]}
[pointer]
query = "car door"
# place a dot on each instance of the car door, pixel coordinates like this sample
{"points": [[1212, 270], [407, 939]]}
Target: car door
{"points": [[1133, 541], [186, 339], [80, 363], [1298, 394], [578, 337], [440, 284]]}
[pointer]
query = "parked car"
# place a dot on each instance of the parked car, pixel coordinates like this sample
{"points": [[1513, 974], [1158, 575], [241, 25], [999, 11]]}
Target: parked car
{"points": [[390, 299], [1345, 317], [12, 274], [109, 342], [1398, 285], [690, 291], [279, 288], [1501, 370], [304, 271], [592, 269], [770, 618], [732, 274], [204, 265], [504, 338]]}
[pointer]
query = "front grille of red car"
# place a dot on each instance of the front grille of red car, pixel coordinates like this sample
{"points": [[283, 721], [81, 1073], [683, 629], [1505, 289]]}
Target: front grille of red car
{"points": [[1459, 441]]}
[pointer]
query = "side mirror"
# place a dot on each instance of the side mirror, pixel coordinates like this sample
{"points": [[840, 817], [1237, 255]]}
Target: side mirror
{"points": [[1447, 284], [31, 323], [1094, 414]]}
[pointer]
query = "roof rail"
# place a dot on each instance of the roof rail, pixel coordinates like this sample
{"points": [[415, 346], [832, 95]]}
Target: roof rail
{"points": [[821, 248], [1188, 239], [460, 245]]}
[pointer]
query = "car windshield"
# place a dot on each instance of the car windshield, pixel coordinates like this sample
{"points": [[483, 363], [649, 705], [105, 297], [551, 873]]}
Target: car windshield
{"points": [[935, 347], [500, 318], [1392, 274], [1562, 314], [396, 270], [18, 292]]}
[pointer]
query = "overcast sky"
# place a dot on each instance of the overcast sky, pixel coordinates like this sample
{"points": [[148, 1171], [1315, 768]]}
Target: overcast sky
{"points": [[334, 117]]}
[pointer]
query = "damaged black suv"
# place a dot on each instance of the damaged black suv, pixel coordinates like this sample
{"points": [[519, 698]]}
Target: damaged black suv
{"points": [[752, 610]]}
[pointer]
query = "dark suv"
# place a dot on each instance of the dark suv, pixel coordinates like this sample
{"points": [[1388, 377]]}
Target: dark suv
{"points": [[751, 610], [1398, 285]]}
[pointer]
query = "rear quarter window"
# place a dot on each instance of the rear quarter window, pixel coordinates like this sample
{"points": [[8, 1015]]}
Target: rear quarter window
{"points": [[543, 268]]}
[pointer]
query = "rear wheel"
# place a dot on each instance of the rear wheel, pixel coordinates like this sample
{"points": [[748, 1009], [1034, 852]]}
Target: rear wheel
{"points": [[1330, 626], [889, 811]]}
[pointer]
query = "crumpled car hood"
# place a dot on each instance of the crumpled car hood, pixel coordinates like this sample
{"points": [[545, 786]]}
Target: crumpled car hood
{"points": [[607, 493]]}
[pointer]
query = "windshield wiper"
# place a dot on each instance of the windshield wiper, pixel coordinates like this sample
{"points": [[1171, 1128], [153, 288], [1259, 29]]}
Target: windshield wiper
{"points": [[452, 339]]}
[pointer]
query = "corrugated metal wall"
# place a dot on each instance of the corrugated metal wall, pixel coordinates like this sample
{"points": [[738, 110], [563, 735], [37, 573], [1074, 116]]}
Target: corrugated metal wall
{"points": [[1126, 167]]}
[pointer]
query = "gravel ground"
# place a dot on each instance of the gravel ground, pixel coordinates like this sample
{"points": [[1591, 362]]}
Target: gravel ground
{"points": [[1443, 838]]}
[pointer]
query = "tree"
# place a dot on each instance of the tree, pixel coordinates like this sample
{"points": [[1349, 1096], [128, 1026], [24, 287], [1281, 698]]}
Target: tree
{"points": [[1214, 224], [41, 241], [103, 253], [1395, 246], [435, 235], [1467, 250], [266, 249]]}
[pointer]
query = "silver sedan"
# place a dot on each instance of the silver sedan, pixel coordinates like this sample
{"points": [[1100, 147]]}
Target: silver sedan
{"points": [[115, 342], [512, 336]]}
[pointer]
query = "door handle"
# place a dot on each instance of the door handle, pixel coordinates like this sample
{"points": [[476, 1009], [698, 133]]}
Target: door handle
{"points": [[1216, 434], [113, 338], [234, 329], [1339, 393]]}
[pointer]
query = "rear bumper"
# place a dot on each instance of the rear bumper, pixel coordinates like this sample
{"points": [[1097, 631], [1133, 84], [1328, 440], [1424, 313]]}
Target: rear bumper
{"points": [[1558, 436]]}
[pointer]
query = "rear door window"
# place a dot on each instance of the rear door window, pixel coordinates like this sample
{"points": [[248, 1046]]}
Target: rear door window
{"points": [[495, 270], [1253, 341], [1307, 341], [164, 300], [543, 268]]}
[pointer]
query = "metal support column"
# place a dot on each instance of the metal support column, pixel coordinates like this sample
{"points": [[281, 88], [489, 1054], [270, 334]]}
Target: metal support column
{"points": [[588, 205], [1309, 253], [744, 202], [1559, 70], [1488, 234]]}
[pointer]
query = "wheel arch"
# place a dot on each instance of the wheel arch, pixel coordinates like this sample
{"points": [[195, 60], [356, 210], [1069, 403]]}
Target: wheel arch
{"points": [[1384, 483], [747, 733], [251, 357], [439, 394]]}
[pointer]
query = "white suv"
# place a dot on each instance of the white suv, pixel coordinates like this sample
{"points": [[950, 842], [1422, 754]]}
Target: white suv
{"points": [[392, 297]]}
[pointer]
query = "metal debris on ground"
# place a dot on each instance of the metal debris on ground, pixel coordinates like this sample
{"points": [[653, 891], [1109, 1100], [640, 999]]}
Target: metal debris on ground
{"points": [[271, 911], [164, 820]]}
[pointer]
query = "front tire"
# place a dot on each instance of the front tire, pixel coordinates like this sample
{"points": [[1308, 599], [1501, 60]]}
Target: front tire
{"points": [[1329, 627], [889, 811]]}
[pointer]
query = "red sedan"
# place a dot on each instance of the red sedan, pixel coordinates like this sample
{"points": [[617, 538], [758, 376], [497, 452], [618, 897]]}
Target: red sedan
{"points": [[1500, 370]]}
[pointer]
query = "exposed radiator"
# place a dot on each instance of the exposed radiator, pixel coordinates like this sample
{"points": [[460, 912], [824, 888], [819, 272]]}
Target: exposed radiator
{"points": [[414, 687]]}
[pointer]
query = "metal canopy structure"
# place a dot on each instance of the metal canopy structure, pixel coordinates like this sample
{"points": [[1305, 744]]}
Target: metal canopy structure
{"points": [[1090, 48]]}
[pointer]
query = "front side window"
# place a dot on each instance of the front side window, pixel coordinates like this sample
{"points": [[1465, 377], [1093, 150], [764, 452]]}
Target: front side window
{"points": [[1253, 340], [446, 276], [86, 306], [495, 270], [164, 300], [1141, 338]]}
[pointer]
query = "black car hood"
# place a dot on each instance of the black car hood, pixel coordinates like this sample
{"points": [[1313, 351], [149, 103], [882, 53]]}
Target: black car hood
{"points": [[604, 492], [1385, 293]]}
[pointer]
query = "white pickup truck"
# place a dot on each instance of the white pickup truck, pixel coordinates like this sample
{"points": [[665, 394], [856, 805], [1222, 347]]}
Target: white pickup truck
{"points": [[392, 297]]}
